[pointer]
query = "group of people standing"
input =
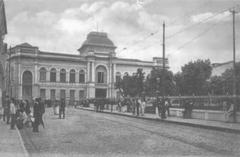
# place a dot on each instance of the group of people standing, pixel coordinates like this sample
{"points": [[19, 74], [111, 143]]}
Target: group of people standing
{"points": [[15, 112], [18, 113]]}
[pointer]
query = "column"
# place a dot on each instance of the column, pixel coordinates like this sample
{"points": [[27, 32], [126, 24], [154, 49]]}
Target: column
{"points": [[93, 72], [67, 75], [58, 75], [48, 76]]}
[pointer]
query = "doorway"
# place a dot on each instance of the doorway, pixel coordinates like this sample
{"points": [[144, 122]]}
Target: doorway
{"points": [[27, 85]]}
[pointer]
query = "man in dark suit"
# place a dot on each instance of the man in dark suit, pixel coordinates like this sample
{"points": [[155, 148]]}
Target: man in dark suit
{"points": [[62, 109], [36, 115]]}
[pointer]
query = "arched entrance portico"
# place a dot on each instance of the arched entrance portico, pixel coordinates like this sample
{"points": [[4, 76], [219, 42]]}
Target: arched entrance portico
{"points": [[27, 85]]}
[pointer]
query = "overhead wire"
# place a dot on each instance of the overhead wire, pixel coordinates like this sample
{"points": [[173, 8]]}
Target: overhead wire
{"points": [[178, 32], [198, 36]]}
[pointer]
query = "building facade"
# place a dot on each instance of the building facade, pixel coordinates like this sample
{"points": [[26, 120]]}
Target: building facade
{"points": [[3, 50], [90, 74]]}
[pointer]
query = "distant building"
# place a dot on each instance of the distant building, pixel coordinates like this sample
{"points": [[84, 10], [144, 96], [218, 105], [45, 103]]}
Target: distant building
{"points": [[219, 68], [92, 73]]}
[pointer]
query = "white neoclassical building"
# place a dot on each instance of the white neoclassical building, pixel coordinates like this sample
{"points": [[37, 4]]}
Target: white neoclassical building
{"points": [[92, 73]]}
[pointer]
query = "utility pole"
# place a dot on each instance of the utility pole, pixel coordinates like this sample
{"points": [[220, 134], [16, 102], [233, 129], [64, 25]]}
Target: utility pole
{"points": [[9, 73], [163, 116], [234, 65]]}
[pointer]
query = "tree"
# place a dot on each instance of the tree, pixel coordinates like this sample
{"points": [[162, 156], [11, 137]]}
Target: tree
{"points": [[193, 78], [131, 85], [152, 84], [227, 78]]}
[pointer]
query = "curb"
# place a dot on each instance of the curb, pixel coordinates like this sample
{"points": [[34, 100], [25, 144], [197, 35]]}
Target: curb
{"points": [[228, 130], [22, 143]]}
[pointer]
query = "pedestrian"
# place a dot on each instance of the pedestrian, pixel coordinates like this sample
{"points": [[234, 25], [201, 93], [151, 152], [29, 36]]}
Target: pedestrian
{"points": [[42, 111], [156, 105], [6, 110], [13, 113], [62, 109], [167, 105], [36, 115], [133, 106], [143, 105]]}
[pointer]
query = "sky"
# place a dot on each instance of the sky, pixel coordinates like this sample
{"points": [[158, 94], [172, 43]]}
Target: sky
{"points": [[195, 29]]}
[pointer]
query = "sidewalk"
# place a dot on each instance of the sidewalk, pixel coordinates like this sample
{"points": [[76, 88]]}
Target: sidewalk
{"points": [[11, 142], [215, 125]]}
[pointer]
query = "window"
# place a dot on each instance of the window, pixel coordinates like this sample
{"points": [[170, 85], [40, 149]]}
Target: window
{"points": [[100, 77], [43, 74], [63, 75], [81, 94], [72, 95], [101, 74], [62, 94], [53, 95], [81, 77], [53, 74], [43, 94], [72, 76]]}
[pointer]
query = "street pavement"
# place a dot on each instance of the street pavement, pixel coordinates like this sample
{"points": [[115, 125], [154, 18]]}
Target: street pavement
{"points": [[87, 133], [11, 144], [216, 125]]}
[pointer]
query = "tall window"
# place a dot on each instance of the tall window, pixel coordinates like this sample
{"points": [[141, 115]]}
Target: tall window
{"points": [[52, 94], [81, 77], [43, 74], [63, 75], [62, 94], [43, 94], [81, 94], [100, 77], [72, 95], [72, 76], [101, 74], [53, 74]]}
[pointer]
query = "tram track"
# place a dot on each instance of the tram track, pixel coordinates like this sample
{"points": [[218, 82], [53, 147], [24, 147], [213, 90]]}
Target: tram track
{"points": [[136, 123]]}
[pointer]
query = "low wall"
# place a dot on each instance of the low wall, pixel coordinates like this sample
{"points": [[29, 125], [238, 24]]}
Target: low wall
{"points": [[203, 114]]}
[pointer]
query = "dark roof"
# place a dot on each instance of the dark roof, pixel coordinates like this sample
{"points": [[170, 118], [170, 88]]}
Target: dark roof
{"points": [[98, 39]]}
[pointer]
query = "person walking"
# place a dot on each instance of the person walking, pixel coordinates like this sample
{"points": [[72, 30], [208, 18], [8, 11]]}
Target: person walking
{"points": [[36, 115], [62, 109], [13, 113], [42, 111], [143, 105]]}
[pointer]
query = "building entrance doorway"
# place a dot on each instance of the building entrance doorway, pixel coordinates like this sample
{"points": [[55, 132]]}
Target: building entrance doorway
{"points": [[101, 93], [27, 85]]}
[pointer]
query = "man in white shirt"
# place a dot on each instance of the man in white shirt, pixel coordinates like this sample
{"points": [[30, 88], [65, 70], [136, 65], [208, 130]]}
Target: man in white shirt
{"points": [[13, 113]]}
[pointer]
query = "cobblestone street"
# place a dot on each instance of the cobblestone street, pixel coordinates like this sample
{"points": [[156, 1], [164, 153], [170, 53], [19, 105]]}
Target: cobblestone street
{"points": [[98, 134]]}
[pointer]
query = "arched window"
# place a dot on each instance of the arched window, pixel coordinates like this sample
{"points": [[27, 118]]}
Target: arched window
{"points": [[81, 76], [53, 74], [118, 77], [72, 76], [62, 75], [27, 85], [43, 74], [101, 74]]}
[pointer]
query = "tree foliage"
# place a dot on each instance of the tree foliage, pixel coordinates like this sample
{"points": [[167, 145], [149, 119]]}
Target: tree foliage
{"points": [[193, 78], [131, 85], [160, 80]]}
